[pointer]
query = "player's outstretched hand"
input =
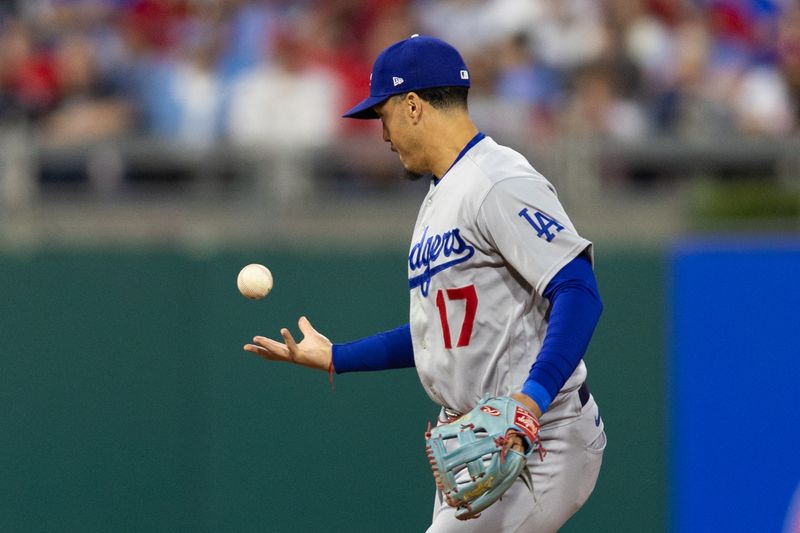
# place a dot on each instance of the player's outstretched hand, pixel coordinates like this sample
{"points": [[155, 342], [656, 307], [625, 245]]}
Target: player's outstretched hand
{"points": [[314, 351]]}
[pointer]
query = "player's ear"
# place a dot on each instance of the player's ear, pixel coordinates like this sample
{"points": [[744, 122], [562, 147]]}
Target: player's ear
{"points": [[413, 107]]}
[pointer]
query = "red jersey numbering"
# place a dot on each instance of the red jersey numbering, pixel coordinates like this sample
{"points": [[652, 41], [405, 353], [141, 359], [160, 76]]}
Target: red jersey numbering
{"points": [[470, 295]]}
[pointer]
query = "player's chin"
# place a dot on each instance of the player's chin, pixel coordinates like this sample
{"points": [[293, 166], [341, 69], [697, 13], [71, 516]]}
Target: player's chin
{"points": [[410, 175]]}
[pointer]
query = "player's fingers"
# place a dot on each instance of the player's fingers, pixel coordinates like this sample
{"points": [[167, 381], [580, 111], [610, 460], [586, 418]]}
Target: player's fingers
{"points": [[271, 349], [262, 352], [270, 344], [516, 444], [305, 327], [294, 351]]}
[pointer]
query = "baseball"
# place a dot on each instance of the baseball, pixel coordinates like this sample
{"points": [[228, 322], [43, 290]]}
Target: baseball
{"points": [[254, 281]]}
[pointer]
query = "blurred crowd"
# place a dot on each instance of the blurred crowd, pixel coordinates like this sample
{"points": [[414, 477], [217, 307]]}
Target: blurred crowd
{"points": [[282, 72]]}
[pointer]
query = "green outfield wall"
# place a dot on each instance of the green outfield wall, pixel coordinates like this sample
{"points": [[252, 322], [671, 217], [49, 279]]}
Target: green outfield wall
{"points": [[128, 404]]}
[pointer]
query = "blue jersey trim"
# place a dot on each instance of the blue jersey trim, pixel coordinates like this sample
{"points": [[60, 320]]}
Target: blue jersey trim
{"points": [[575, 310], [475, 140], [539, 394], [383, 351]]}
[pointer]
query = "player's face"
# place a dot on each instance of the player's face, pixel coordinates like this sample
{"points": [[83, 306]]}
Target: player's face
{"points": [[399, 132]]}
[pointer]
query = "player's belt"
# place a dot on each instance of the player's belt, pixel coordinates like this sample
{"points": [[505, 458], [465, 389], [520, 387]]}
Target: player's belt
{"points": [[451, 414], [583, 395]]}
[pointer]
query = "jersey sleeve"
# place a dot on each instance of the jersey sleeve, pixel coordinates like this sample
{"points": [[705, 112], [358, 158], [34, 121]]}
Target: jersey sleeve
{"points": [[524, 221], [382, 351], [575, 309]]}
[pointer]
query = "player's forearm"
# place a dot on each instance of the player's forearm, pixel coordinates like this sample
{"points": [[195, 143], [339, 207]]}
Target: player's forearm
{"points": [[576, 308], [383, 351]]}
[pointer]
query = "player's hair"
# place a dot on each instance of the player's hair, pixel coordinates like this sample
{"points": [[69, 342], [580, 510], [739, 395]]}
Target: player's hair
{"points": [[443, 97]]}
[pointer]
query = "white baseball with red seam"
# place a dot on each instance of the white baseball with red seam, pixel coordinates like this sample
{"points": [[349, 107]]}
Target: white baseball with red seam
{"points": [[254, 281]]}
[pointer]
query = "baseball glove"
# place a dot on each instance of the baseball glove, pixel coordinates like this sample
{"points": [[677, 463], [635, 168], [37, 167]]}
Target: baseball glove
{"points": [[483, 449]]}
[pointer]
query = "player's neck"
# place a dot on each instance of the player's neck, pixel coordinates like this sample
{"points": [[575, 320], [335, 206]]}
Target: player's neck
{"points": [[450, 137]]}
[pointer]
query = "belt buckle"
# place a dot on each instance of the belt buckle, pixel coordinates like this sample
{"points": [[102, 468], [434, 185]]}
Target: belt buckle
{"points": [[451, 414]]}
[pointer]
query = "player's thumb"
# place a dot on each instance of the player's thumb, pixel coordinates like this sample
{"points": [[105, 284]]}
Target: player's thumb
{"points": [[305, 327]]}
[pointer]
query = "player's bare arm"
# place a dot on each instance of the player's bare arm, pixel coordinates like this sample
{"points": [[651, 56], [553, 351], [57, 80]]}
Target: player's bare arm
{"points": [[313, 351]]}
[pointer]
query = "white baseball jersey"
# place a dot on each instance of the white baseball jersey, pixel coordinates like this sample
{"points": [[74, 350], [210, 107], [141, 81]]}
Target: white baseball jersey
{"points": [[489, 238]]}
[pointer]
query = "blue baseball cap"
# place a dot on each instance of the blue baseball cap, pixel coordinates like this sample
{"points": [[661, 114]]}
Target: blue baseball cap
{"points": [[419, 62]]}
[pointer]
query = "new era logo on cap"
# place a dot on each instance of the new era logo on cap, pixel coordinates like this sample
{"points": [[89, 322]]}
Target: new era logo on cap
{"points": [[397, 81], [464, 75]]}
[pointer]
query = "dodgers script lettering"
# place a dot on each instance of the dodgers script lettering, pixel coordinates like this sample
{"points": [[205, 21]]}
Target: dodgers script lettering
{"points": [[435, 253]]}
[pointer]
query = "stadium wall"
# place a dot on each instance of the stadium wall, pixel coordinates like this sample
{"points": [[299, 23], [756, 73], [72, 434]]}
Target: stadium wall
{"points": [[130, 406]]}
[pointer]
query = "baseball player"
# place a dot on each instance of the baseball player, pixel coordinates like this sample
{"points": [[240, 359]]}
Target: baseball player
{"points": [[503, 299]]}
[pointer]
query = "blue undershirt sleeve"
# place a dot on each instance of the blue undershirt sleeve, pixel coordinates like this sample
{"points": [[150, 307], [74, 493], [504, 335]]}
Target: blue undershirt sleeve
{"points": [[575, 310], [383, 351]]}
